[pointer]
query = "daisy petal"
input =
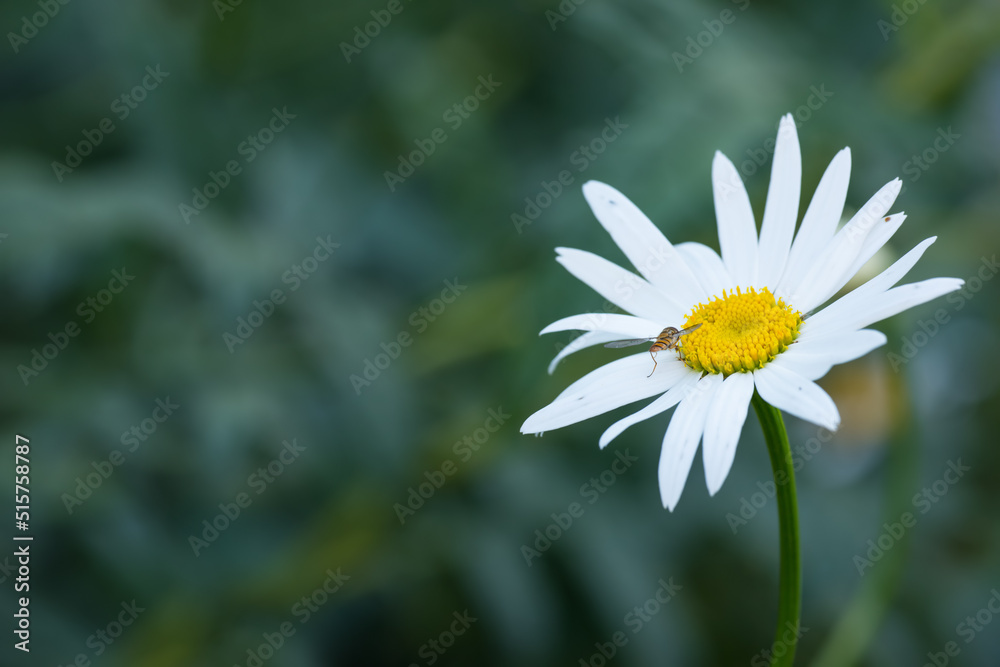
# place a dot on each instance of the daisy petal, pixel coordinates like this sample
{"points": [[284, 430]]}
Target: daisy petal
{"points": [[835, 349], [611, 386], [668, 400], [627, 371], [723, 426], [624, 326], [782, 207], [817, 325], [811, 368], [797, 396], [644, 245], [708, 266], [830, 268], [581, 342], [881, 232], [876, 307], [878, 237], [681, 440], [819, 223], [622, 288], [737, 231]]}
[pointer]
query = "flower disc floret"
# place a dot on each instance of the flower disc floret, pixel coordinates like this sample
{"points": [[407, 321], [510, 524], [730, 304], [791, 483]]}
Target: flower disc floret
{"points": [[740, 332]]}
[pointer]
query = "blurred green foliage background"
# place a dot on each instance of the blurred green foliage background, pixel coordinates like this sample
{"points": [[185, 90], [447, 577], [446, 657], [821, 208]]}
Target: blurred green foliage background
{"points": [[309, 210]]}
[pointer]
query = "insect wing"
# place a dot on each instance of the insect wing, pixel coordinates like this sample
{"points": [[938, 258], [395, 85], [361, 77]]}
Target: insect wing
{"points": [[687, 331], [628, 343]]}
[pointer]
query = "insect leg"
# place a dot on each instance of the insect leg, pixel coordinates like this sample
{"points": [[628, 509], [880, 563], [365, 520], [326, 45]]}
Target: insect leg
{"points": [[653, 355]]}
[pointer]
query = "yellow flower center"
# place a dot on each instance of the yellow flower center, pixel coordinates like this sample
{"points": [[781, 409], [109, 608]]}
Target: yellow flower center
{"points": [[740, 332]]}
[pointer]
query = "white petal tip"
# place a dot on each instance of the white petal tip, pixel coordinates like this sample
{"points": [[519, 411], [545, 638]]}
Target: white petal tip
{"points": [[957, 283], [600, 195], [831, 422], [670, 498], [610, 434], [596, 188], [548, 329]]}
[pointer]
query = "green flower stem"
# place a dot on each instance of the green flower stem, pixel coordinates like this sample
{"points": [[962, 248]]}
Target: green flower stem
{"points": [[790, 579]]}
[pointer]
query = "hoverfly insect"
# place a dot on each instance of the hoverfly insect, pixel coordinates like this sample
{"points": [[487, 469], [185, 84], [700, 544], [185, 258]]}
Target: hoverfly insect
{"points": [[667, 340]]}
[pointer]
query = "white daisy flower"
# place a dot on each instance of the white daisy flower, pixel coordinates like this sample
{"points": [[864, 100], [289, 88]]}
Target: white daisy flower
{"points": [[758, 307]]}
